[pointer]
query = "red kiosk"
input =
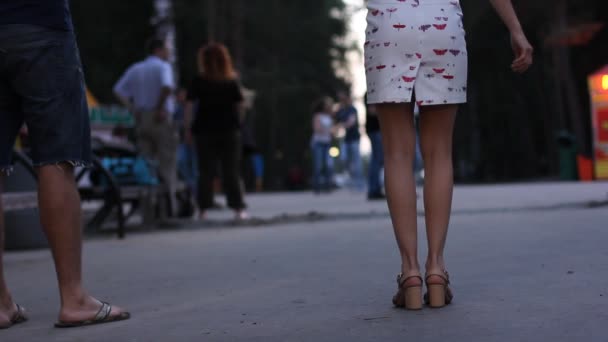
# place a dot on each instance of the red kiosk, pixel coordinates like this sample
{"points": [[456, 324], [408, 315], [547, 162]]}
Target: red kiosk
{"points": [[598, 87]]}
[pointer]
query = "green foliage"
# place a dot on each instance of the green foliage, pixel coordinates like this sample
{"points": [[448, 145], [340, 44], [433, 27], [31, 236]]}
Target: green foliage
{"points": [[111, 36]]}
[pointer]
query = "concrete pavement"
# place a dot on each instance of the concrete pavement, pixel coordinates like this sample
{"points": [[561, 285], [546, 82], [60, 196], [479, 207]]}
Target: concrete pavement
{"points": [[468, 199], [537, 273]]}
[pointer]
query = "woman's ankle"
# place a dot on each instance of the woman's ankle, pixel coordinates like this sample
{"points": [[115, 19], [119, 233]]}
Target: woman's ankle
{"points": [[435, 265], [409, 270]]}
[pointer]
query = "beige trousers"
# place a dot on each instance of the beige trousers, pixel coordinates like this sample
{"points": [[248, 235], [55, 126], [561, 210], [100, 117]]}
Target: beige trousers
{"points": [[158, 142]]}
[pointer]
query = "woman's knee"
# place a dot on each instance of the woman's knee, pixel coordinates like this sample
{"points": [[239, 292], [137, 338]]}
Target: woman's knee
{"points": [[436, 148], [398, 156]]}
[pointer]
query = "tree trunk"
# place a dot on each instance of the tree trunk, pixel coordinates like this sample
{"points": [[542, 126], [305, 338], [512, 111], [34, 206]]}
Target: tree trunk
{"points": [[211, 20], [237, 32], [565, 78]]}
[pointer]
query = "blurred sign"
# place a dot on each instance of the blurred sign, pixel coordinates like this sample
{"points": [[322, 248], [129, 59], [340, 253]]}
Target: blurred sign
{"points": [[107, 116], [111, 116], [575, 35], [598, 85], [91, 100]]}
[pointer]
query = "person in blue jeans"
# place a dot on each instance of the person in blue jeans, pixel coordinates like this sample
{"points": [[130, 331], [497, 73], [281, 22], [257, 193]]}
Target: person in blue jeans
{"points": [[186, 155], [42, 84], [372, 127], [323, 127], [348, 118]]}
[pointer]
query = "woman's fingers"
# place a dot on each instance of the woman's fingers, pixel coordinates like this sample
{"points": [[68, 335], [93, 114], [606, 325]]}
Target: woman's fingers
{"points": [[524, 59], [523, 52]]}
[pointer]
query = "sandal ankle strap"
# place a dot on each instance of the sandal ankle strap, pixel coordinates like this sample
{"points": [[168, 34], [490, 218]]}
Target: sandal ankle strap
{"points": [[445, 276], [401, 279]]}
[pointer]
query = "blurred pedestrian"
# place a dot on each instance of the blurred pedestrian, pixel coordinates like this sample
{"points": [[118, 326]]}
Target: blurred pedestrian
{"points": [[42, 84], [146, 89], [426, 64], [322, 136], [348, 118], [216, 127], [186, 154], [251, 152], [376, 163]]}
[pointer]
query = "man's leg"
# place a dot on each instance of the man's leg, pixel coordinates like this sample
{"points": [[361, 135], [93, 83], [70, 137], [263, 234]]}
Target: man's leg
{"points": [[10, 123], [167, 158], [7, 307], [60, 214], [374, 186], [146, 147], [358, 166], [49, 86], [354, 165]]}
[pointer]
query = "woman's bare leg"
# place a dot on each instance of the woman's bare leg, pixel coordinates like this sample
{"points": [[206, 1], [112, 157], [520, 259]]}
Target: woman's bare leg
{"points": [[399, 141], [436, 133]]}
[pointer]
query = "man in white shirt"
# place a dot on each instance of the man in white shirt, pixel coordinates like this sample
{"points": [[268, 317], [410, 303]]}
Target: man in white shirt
{"points": [[146, 88]]}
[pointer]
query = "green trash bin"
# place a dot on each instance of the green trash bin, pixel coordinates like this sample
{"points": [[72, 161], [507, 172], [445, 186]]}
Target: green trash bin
{"points": [[567, 156]]}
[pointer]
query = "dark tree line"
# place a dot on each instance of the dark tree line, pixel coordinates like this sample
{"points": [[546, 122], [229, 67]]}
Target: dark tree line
{"points": [[111, 35], [288, 51], [509, 129]]}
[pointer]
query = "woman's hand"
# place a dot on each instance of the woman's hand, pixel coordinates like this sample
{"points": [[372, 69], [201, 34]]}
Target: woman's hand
{"points": [[522, 48], [523, 52]]}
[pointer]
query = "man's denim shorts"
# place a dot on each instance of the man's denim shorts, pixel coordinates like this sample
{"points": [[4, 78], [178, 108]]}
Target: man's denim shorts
{"points": [[42, 85]]}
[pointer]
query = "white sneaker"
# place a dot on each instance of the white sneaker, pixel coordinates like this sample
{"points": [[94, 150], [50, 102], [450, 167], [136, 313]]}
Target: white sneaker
{"points": [[242, 216]]}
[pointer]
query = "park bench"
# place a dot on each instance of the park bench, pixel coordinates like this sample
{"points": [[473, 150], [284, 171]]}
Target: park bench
{"points": [[114, 196], [124, 200], [20, 206], [21, 200], [111, 195]]}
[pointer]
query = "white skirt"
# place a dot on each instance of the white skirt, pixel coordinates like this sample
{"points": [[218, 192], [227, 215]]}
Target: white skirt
{"points": [[415, 47]]}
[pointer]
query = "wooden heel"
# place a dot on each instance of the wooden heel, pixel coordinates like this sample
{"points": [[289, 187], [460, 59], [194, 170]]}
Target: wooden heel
{"points": [[413, 298], [437, 296], [409, 296], [439, 293]]}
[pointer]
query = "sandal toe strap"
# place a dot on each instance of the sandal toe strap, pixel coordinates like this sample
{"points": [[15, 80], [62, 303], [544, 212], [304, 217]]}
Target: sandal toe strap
{"points": [[104, 312]]}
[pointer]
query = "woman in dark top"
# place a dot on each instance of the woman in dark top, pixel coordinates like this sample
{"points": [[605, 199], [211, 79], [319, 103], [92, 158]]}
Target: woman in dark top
{"points": [[216, 127]]}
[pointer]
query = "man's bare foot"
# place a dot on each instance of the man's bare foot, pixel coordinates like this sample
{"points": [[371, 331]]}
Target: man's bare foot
{"points": [[8, 311], [88, 309]]}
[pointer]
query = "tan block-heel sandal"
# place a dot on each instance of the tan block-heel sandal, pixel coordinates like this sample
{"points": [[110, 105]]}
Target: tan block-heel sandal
{"points": [[408, 296], [438, 293]]}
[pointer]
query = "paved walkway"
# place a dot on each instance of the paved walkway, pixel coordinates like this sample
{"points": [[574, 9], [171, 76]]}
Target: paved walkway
{"points": [[278, 208], [519, 275]]}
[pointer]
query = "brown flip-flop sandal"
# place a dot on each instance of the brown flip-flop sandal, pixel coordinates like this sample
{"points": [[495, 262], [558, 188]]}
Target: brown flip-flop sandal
{"points": [[18, 317], [102, 317], [408, 297], [438, 295]]}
